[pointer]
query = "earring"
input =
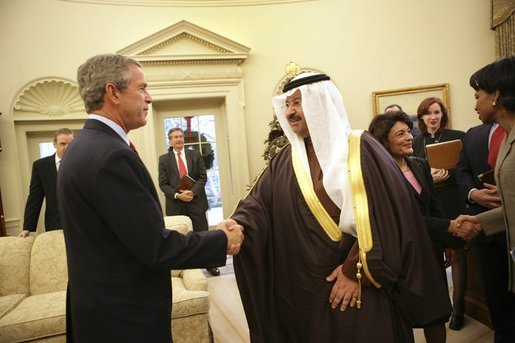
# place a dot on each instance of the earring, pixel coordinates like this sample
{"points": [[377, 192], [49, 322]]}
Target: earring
{"points": [[494, 103]]}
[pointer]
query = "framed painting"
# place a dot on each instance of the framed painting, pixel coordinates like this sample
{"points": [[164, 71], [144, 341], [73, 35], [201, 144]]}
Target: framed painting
{"points": [[410, 98]]}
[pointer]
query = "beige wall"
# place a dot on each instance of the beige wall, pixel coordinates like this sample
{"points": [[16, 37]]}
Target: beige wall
{"points": [[365, 46]]}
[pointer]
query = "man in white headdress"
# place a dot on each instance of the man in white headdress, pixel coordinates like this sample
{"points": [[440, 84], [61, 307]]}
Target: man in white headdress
{"points": [[335, 248]]}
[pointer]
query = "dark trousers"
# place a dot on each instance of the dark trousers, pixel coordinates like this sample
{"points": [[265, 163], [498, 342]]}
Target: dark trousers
{"points": [[501, 302], [191, 209]]}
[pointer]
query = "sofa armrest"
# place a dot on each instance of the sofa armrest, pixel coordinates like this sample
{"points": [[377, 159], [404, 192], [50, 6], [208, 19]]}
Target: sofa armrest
{"points": [[178, 223], [194, 280]]}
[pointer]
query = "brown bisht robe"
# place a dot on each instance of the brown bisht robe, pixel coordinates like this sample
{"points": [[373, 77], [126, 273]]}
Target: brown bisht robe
{"points": [[282, 267]]}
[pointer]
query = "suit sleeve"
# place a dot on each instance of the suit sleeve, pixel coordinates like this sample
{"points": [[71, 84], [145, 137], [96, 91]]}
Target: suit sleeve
{"points": [[164, 181], [492, 221], [464, 174], [134, 215], [202, 175], [34, 200]]}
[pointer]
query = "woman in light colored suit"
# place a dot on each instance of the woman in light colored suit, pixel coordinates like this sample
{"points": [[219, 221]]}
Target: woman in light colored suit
{"points": [[495, 102]]}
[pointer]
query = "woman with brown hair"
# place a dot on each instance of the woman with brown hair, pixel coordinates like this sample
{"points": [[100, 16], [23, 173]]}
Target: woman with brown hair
{"points": [[393, 130], [433, 119]]}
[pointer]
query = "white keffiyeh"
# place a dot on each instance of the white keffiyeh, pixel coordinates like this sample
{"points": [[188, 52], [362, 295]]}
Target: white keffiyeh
{"points": [[329, 130]]}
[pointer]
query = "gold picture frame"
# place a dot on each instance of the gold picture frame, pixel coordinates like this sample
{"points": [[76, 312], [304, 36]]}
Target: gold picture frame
{"points": [[409, 98]]}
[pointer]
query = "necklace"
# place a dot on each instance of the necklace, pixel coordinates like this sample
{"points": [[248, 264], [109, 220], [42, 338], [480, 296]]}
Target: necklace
{"points": [[437, 139], [405, 166]]}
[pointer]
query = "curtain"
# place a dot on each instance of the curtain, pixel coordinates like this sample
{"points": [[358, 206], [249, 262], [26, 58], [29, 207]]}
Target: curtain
{"points": [[503, 23]]}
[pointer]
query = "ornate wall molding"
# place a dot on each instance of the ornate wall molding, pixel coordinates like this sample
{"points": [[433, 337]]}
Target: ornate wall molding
{"points": [[188, 63], [185, 43], [48, 96], [189, 3]]}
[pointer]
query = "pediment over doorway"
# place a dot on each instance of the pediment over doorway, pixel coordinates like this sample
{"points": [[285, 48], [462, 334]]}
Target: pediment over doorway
{"points": [[185, 42]]}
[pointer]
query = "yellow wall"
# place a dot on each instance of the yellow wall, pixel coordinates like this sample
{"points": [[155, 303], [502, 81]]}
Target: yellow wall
{"points": [[365, 46]]}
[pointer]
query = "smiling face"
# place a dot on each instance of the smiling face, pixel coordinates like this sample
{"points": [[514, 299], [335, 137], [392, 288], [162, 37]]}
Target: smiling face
{"points": [[433, 117], [295, 114], [134, 100], [176, 139], [400, 141]]}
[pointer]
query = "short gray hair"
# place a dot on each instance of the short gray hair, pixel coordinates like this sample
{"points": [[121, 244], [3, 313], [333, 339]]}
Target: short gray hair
{"points": [[98, 71]]}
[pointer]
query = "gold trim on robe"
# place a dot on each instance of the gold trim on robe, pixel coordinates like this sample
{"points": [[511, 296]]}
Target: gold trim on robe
{"points": [[306, 186], [360, 201]]}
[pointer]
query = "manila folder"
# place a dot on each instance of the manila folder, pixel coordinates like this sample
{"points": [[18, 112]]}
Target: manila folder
{"points": [[444, 155]]}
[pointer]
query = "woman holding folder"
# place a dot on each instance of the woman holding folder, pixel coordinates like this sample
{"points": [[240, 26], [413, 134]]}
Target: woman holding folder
{"points": [[432, 121]]}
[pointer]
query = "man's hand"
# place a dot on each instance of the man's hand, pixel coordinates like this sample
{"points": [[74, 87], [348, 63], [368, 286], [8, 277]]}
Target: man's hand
{"points": [[344, 290], [439, 175], [450, 257], [234, 233], [24, 233], [186, 196], [468, 227], [486, 197]]}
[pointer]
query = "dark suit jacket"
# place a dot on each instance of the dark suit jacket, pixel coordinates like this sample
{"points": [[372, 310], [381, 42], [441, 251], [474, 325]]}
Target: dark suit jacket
{"points": [[447, 190], [473, 161], [119, 252], [169, 179], [43, 183], [431, 208]]}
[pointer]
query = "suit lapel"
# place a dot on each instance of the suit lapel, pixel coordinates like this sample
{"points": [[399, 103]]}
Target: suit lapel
{"points": [[173, 162], [189, 159], [505, 150]]}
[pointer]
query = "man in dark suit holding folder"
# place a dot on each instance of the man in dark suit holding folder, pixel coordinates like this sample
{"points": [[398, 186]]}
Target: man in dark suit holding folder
{"points": [[476, 158], [180, 163]]}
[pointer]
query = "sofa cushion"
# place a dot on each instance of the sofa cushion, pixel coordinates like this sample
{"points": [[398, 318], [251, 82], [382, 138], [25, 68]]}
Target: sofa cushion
{"points": [[14, 264], [35, 317], [178, 223], [188, 303], [48, 269], [8, 302]]}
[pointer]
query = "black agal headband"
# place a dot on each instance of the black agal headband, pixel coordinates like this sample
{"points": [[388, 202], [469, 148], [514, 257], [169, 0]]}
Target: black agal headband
{"points": [[304, 81]]}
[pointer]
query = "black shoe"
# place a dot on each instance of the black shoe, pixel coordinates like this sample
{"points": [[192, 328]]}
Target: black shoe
{"points": [[456, 323], [214, 271]]}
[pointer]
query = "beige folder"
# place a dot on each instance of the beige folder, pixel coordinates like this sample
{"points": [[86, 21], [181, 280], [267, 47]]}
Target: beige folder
{"points": [[444, 155]]}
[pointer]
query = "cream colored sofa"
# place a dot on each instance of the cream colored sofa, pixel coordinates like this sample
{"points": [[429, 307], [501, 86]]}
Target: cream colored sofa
{"points": [[33, 279]]}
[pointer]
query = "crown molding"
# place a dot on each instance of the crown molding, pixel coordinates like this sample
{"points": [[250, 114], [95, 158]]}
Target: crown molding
{"points": [[49, 96], [186, 43], [189, 3]]}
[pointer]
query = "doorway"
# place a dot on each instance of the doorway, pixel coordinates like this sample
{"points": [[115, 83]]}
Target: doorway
{"points": [[204, 130]]}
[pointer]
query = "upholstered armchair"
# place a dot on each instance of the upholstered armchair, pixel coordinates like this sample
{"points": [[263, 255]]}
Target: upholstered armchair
{"points": [[190, 309]]}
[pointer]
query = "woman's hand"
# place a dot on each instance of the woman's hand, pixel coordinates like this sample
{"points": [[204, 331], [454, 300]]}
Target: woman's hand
{"points": [[439, 175]]}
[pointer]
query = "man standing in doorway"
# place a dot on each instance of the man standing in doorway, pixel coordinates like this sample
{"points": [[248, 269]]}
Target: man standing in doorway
{"points": [[43, 183], [173, 166]]}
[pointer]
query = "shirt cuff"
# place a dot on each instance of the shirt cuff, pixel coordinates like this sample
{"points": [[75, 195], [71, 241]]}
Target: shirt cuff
{"points": [[470, 193]]}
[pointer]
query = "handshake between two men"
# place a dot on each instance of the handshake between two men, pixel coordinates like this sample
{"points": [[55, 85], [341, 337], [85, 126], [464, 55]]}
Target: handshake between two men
{"points": [[234, 233]]}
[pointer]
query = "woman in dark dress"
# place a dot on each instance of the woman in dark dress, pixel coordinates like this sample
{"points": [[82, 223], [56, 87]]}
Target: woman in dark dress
{"points": [[433, 118], [393, 130]]}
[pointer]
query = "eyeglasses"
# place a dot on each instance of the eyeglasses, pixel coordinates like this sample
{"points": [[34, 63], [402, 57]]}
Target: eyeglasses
{"points": [[296, 104]]}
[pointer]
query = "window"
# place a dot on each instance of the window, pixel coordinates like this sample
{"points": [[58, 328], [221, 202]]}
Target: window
{"points": [[200, 134]]}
